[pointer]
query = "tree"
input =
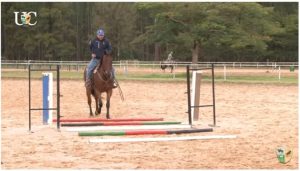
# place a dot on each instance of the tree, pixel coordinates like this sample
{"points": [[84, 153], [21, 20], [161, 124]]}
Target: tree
{"points": [[284, 44], [148, 31], [196, 26]]}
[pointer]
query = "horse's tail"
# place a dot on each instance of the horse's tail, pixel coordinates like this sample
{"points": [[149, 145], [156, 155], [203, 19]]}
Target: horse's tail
{"points": [[120, 90]]}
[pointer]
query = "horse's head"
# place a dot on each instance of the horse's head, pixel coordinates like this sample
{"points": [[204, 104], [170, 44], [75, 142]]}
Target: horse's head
{"points": [[106, 65]]}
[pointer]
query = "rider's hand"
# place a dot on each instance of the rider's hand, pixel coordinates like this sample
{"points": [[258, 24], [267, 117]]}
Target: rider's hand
{"points": [[93, 55]]}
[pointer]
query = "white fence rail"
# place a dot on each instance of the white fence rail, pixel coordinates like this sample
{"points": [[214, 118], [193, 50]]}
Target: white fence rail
{"points": [[127, 67], [15, 64]]}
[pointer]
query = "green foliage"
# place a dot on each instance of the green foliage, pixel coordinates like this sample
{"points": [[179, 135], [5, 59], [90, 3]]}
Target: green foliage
{"points": [[227, 31]]}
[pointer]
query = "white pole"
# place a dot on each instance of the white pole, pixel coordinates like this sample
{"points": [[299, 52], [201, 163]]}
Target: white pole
{"points": [[128, 127], [50, 98], [193, 91], [195, 99]]}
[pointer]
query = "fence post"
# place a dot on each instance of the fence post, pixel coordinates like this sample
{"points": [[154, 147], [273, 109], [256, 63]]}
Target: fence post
{"points": [[58, 96], [173, 71], [125, 69], [213, 93], [29, 94], [152, 67], [279, 74], [28, 63], [224, 72], [189, 94]]}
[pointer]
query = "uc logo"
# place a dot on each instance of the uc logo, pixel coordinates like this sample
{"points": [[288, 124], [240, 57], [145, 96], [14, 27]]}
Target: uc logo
{"points": [[25, 18]]}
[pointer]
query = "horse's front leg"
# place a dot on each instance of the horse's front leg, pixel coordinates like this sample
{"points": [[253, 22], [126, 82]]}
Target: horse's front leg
{"points": [[96, 103], [108, 95], [89, 102], [100, 104]]}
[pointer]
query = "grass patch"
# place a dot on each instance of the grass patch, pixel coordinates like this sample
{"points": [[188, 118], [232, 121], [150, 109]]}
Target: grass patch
{"points": [[179, 77]]}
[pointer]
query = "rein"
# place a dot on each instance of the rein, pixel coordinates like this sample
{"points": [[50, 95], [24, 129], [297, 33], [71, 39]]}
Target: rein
{"points": [[99, 71], [101, 78]]}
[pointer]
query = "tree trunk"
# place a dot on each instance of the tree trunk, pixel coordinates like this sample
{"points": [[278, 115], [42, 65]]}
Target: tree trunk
{"points": [[77, 33], [195, 52], [3, 50], [157, 52], [147, 53]]}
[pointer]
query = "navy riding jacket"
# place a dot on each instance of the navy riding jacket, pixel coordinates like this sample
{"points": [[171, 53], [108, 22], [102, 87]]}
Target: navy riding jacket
{"points": [[100, 47]]}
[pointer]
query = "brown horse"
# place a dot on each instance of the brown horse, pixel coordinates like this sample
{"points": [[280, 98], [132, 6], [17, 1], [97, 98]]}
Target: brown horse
{"points": [[102, 82]]}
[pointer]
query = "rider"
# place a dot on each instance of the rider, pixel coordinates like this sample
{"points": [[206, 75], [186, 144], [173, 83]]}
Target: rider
{"points": [[99, 47], [170, 56]]}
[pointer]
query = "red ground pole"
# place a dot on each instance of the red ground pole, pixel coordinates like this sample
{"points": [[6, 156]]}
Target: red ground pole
{"points": [[118, 123], [108, 120]]}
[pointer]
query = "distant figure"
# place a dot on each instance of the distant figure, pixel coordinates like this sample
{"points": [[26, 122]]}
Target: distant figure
{"points": [[168, 63], [170, 56]]}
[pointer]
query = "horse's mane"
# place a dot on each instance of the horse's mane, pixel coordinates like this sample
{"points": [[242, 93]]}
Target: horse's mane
{"points": [[99, 66], [101, 62]]}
